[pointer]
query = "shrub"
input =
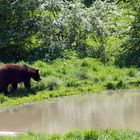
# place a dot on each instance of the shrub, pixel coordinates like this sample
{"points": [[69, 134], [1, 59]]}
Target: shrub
{"points": [[110, 85], [94, 68], [85, 63], [39, 86], [120, 84], [96, 80], [132, 72], [52, 85]]}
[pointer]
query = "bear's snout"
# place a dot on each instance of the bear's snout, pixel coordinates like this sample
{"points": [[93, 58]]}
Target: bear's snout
{"points": [[39, 79]]}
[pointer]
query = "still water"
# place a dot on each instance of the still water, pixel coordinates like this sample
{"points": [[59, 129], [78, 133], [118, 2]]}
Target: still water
{"points": [[76, 112]]}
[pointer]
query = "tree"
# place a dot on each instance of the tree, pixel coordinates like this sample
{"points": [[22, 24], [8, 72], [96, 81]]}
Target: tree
{"points": [[19, 21], [69, 25], [132, 45]]}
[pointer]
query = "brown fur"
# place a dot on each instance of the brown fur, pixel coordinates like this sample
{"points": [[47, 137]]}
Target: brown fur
{"points": [[14, 74]]}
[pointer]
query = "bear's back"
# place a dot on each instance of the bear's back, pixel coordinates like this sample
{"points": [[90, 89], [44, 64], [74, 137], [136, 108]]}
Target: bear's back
{"points": [[15, 67], [13, 71]]}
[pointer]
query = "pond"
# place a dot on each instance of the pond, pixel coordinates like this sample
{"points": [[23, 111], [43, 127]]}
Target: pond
{"points": [[76, 112]]}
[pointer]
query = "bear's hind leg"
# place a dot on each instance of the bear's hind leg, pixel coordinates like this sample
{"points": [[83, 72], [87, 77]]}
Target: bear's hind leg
{"points": [[5, 90]]}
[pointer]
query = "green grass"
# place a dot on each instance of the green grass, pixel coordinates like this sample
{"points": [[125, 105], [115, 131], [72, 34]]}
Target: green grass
{"points": [[67, 77], [108, 134]]}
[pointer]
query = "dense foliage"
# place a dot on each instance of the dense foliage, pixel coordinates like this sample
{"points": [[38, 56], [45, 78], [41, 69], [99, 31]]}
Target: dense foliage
{"points": [[19, 21], [48, 29], [132, 50]]}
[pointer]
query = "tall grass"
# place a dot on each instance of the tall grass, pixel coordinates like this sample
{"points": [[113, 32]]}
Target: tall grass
{"points": [[108, 134], [65, 77]]}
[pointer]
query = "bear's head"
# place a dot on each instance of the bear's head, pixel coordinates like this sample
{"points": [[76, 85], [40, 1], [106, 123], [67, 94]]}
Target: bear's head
{"points": [[35, 75]]}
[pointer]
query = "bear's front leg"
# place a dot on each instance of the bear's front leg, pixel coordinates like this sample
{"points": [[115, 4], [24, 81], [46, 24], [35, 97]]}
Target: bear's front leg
{"points": [[14, 87], [27, 84]]}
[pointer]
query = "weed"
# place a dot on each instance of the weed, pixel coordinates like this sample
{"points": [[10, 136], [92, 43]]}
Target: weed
{"points": [[132, 72], [52, 85]]}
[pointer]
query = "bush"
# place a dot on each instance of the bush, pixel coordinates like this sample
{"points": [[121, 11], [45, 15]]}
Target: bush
{"points": [[132, 72], [120, 85], [85, 63], [111, 85], [52, 85], [20, 21], [39, 86]]}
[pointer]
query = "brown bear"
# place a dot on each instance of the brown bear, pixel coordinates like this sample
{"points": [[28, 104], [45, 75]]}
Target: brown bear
{"points": [[16, 73]]}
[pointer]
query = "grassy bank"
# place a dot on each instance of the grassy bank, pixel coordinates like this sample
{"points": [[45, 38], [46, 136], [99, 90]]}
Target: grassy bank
{"points": [[81, 135], [66, 77]]}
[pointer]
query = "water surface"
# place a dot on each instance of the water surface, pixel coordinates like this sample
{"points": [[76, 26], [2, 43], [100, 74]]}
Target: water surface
{"points": [[80, 112]]}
